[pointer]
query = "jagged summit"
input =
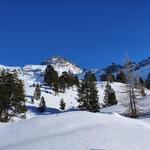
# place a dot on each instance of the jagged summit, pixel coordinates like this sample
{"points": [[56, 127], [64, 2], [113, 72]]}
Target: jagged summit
{"points": [[54, 60], [61, 64]]}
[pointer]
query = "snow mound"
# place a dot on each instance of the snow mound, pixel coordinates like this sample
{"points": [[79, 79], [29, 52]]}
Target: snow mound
{"points": [[76, 131]]}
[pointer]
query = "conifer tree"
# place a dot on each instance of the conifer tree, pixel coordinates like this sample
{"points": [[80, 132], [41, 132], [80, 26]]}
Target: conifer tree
{"points": [[12, 97], [107, 77], [37, 92], [121, 77], [88, 94], [42, 105], [110, 97], [62, 104], [148, 81], [141, 81], [62, 84], [51, 78]]}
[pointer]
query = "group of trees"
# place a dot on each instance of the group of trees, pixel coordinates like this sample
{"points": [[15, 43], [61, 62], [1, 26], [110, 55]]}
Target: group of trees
{"points": [[42, 103], [59, 83], [12, 97], [120, 77], [88, 94], [37, 96]]}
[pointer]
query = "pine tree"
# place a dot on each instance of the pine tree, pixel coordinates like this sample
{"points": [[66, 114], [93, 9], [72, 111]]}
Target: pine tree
{"points": [[51, 78], [148, 81], [110, 97], [37, 92], [12, 97], [62, 104], [49, 75], [82, 99], [103, 77], [62, 84], [121, 77], [76, 80], [141, 81], [107, 77], [88, 94], [70, 79], [42, 105]]}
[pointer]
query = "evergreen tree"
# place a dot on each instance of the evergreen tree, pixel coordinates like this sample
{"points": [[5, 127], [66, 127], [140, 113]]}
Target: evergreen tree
{"points": [[62, 84], [110, 97], [103, 77], [141, 81], [51, 78], [76, 80], [62, 104], [37, 92], [107, 77], [12, 97], [121, 77], [42, 105], [49, 75], [148, 81], [70, 79], [88, 94], [82, 99]]}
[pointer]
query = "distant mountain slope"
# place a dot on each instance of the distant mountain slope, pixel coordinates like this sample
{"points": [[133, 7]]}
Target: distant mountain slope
{"points": [[61, 64], [141, 69]]}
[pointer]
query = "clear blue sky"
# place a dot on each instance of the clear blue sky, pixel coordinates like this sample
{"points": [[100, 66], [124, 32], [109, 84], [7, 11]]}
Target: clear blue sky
{"points": [[91, 33]]}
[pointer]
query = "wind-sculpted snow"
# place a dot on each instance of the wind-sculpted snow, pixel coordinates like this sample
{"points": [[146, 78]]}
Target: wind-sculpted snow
{"points": [[76, 131]]}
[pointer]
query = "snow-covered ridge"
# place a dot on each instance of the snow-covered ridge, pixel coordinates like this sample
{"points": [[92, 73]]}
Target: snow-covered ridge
{"points": [[141, 69], [34, 73]]}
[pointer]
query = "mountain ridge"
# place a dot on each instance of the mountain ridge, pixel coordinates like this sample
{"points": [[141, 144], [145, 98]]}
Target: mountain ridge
{"points": [[61, 64]]}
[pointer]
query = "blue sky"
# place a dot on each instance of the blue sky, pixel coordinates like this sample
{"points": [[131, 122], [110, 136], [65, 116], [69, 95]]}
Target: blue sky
{"points": [[91, 33]]}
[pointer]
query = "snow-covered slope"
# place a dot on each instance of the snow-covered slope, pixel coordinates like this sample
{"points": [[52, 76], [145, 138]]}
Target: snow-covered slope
{"points": [[76, 131], [31, 74], [72, 129], [140, 69]]}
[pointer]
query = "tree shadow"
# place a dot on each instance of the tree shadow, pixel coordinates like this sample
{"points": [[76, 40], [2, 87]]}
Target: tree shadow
{"points": [[48, 111]]}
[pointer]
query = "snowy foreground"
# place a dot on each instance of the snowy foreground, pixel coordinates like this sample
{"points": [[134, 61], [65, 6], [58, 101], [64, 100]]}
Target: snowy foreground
{"points": [[76, 131]]}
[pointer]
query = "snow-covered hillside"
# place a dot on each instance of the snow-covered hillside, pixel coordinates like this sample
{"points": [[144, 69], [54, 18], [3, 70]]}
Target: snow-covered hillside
{"points": [[139, 69], [72, 129], [31, 74]]}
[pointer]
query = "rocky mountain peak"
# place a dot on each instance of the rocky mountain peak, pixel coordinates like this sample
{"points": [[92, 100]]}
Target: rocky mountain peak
{"points": [[61, 64], [54, 60], [143, 63]]}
